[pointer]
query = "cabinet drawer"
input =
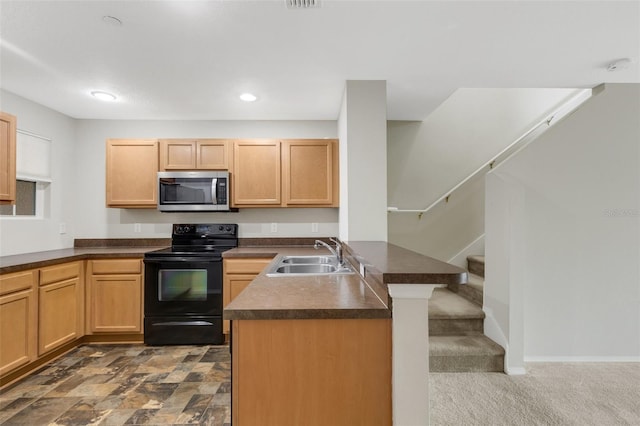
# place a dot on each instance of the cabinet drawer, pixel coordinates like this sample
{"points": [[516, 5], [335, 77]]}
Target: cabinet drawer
{"points": [[245, 266], [53, 274], [116, 266], [17, 281]]}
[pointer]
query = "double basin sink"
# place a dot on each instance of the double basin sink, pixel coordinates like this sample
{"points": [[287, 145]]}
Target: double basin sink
{"points": [[308, 265]]}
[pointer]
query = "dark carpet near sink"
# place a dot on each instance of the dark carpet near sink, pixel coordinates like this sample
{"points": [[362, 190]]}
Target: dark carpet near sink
{"points": [[125, 385]]}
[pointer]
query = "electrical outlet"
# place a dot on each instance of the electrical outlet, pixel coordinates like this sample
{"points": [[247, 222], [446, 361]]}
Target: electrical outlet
{"points": [[62, 228], [274, 227], [137, 227], [314, 227]]}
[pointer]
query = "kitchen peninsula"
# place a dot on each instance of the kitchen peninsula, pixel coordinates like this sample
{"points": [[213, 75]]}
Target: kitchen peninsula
{"points": [[316, 350]]}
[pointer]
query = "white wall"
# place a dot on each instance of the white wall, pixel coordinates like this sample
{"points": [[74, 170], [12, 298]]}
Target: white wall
{"points": [[428, 158], [563, 237], [21, 235], [78, 188], [363, 163]]}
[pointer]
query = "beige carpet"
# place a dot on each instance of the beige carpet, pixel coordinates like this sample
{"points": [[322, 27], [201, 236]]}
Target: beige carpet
{"points": [[600, 394]]}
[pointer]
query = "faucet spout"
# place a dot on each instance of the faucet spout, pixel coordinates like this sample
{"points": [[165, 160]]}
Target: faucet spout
{"points": [[337, 252]]}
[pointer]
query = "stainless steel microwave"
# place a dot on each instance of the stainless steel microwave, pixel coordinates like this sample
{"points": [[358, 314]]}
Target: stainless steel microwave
{"points": [[198, 191]]}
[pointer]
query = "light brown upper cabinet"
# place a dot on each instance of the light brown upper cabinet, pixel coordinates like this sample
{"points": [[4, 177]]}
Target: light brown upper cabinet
{"points": [[132, 173], [256, 173], [192, 154], [7, 158], [310, 172], [286, 173]]}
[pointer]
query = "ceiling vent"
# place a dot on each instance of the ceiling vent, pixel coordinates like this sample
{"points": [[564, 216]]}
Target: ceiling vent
{"points": [[302, 4]]}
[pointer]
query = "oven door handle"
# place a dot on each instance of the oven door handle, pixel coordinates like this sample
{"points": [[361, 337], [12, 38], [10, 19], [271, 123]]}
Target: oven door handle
{"points": [[183, 323]]}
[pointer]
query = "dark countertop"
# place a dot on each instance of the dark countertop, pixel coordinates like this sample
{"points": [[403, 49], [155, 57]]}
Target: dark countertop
{"points": [[300, 297], [21, 262], [397, 265], [341, 296], [272, 251], [317, 296]]}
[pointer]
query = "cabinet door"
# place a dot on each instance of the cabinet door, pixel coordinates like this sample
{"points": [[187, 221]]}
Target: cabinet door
{"points": [[177, 154], [60, 314], [132, 167], [212, 154], [7, 158], [256, 173], [116, 304], [308, 172], [18, 330], [191, 154], [233, 286], [238, 274]]}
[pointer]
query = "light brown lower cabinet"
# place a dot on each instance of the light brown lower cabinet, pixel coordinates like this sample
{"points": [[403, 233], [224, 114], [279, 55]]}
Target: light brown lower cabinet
{"points": [[237, 275], [18, 320], [42, 311], [114, 296], [60, 306], [312, 372]]}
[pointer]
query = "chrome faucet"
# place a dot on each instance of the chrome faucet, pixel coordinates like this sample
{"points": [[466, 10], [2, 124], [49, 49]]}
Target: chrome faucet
{"points": [[337, 252]]}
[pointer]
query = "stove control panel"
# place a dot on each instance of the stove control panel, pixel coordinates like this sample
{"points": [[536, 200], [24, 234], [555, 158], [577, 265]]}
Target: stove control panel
{"points": [[205, 229]]}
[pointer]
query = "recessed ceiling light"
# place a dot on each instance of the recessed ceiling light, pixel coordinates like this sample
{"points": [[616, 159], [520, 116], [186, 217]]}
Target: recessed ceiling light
{"points": [[248, 97], [103, 96]]}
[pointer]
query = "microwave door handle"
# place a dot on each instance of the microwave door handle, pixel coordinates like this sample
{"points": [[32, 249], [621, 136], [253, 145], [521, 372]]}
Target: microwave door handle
{"points": [[214, 195]]}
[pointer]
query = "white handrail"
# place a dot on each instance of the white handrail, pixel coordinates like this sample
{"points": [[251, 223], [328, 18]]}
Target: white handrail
{"points": [[529, 136]]}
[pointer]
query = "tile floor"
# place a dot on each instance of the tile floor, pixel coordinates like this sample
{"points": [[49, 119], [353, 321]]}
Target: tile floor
{"points": [[125, 385]]}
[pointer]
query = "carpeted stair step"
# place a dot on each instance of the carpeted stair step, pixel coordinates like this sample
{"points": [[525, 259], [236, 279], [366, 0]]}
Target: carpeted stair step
{"points": [[475, 264], [457, 354], [473, 290], [452, 314]]}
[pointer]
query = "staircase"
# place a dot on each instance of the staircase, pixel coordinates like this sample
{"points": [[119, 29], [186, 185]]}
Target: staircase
{"points": [[456, 321]]}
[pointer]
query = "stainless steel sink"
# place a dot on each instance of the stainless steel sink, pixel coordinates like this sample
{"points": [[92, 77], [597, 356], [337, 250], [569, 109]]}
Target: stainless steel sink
{"points": [[331, 260], [306, 269], [308, 265]]}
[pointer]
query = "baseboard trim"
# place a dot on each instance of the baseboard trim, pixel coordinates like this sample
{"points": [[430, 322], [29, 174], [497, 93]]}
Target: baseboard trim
{"points": [[12, 377], [515, 371], [133, 338], [475, 247], [582, 359], [493, 331]]}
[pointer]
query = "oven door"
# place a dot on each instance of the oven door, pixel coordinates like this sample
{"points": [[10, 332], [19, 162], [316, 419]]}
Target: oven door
{"points": [[183, 286]]}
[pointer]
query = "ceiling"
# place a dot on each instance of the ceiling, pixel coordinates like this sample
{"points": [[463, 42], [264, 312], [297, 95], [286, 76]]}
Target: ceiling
{"points": [[192, 59]]}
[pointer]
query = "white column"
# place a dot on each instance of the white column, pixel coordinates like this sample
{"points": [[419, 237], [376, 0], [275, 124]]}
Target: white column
{"points": [[411, 353], [362, 128]]}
